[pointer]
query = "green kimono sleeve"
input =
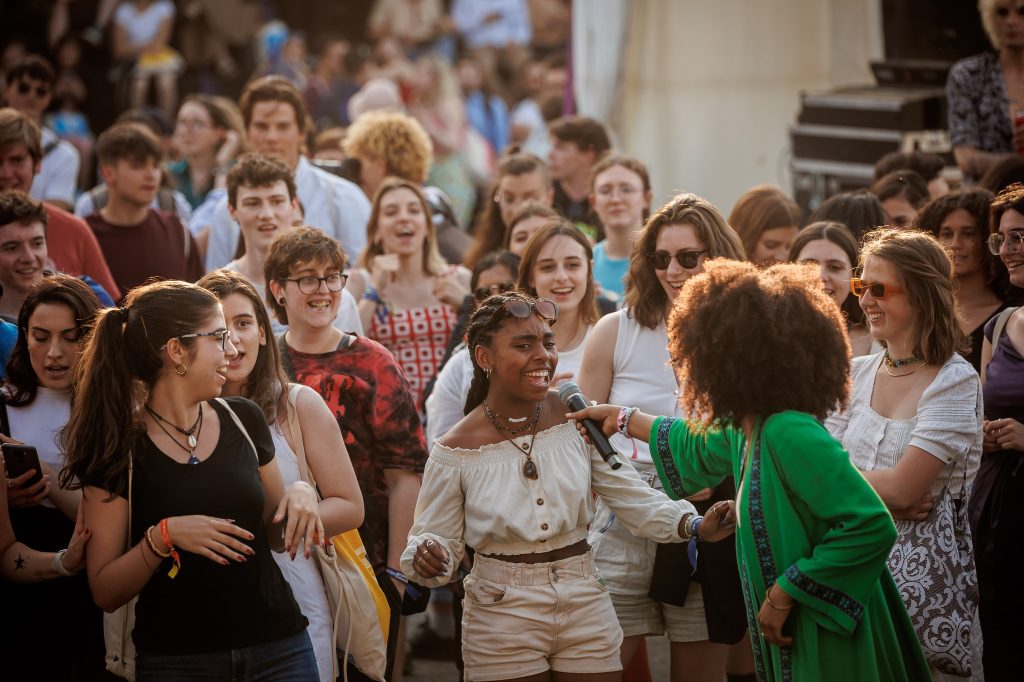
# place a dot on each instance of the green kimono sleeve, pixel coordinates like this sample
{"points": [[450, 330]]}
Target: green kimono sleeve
{"points": [[689, 461], [838, 578]]}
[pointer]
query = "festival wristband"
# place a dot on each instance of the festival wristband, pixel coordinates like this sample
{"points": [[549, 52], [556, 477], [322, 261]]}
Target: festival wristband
{"points": [[622, 424], [401, 577], [165, 535], [58, 564]]}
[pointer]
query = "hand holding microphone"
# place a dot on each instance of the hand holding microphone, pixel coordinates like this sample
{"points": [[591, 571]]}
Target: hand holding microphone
{"points": [[595, 422]]}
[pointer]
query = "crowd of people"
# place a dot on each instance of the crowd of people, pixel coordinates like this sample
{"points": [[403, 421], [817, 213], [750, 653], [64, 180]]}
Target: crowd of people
{"points": [[236, 326]]}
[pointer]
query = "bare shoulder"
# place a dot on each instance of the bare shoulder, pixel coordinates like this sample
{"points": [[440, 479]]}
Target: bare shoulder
{"points": [[472, 432], [606, 331]]}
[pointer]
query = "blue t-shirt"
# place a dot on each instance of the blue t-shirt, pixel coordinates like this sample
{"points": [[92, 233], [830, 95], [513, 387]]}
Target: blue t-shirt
{"points": [[8, 337], [610, 273]]}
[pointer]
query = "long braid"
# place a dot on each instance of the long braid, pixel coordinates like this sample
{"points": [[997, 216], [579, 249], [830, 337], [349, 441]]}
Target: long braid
{"points": [[485, 320]]}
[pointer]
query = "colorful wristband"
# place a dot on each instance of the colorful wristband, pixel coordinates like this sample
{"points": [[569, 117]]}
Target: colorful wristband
{"points": [[165, 535]]}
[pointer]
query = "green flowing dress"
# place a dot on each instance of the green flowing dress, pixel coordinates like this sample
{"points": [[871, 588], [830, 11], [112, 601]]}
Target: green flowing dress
{"points": [[808, 521]]}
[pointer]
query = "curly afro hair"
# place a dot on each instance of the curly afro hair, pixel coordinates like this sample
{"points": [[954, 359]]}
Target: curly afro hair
{"points": [[749, 342]]}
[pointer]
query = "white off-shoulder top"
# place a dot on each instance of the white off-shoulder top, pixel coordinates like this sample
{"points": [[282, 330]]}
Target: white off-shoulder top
{"points": [[481, 498]]}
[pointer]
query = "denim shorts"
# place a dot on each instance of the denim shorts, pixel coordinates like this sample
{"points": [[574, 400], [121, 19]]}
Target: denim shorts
{"points": [[525, 619], [289, 659]]}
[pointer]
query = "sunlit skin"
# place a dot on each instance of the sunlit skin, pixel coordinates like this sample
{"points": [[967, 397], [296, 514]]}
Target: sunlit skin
{"points": [[17, 169], [833, 264], [23, 256], [773, 245], [890, 319], [672, 239], [314, 311], [262, 213], [560, 273], [619, 199], [523, 230], [135, 181], [402, 226], [53, 345], [274, 131], [246, 336], [1010, 252], [515, 190]]}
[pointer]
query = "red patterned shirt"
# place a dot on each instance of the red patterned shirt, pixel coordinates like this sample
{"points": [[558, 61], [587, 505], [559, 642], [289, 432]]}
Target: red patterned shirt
{"points": [[371, 399]]}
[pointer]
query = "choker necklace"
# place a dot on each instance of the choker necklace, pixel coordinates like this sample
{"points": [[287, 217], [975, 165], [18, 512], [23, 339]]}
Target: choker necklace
{"points": [[889, 364], [514, 430], [896, 364], [192, 433], [529, 467]]}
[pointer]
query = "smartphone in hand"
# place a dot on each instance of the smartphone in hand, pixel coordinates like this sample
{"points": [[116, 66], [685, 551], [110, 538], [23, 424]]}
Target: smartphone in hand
{"points": [[21, 458]]}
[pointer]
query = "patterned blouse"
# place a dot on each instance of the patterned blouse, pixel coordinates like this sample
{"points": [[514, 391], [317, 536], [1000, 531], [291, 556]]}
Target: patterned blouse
{"points": [[979, 110], [418, 338]]}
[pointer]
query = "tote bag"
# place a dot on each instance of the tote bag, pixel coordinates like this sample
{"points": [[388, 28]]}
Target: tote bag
{"points": [[361, 614]]}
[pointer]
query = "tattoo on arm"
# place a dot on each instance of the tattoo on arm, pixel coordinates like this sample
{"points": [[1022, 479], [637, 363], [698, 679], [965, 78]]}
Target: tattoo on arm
{"points": [[20, 562]]}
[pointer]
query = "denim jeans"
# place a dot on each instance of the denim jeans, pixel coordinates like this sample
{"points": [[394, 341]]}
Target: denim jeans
{"points": [[286, 660]]}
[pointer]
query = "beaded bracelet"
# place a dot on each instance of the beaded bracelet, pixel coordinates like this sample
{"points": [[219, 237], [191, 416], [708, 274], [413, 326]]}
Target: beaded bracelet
{"points": [[152, 545]]}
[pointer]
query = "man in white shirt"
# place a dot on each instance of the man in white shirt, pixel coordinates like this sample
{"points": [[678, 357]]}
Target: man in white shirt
{"points": [[275, 120], [261, 199], [28, 87]]}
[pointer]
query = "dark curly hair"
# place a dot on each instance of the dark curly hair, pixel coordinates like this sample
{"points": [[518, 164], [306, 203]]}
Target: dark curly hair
{"points": [[748, 342], [485, 322]]}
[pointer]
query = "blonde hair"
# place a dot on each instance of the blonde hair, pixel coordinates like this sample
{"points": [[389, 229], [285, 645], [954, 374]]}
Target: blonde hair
{"points": [[395, 138], [926, 273], [987, 9]]}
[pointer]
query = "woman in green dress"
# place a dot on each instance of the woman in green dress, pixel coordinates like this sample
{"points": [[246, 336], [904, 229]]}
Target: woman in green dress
{"points": [[763, 357]]}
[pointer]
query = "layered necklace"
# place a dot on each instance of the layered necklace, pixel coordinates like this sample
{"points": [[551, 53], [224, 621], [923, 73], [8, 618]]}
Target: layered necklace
{"points": [[191, 434], [891, 364], [511, 432]]}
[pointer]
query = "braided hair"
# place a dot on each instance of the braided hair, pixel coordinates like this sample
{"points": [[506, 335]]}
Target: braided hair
{"points": [[486, 320]]}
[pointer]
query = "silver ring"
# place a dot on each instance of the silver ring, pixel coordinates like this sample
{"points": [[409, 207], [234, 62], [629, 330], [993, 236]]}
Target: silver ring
{"points": [[10, 482]]}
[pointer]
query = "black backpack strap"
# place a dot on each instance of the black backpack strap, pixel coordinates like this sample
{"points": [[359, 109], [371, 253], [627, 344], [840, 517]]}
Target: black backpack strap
{"points": [[286, 361]]}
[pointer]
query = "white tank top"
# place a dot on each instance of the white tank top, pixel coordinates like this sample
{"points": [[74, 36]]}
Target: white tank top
{"points": [[642, 377], [302, 574]]}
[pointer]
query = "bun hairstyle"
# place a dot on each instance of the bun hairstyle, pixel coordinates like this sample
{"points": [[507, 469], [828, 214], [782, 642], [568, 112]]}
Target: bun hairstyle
{"points": [[485, 321], [120, 364]]}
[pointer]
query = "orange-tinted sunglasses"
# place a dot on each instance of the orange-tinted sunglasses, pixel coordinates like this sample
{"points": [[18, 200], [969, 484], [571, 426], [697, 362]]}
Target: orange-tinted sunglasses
{"points": [[877, 290]]}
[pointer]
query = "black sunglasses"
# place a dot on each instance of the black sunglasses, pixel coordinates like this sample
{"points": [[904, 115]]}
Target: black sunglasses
{"points": [[686, 259], [25, 88], [1004, 11], [482, 293]]}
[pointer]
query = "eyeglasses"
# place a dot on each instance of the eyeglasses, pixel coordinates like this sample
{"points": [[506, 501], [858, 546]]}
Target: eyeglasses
{"points": [[482, 293], [1004, 11], [877, 290], [25, 88], [686, 259], [219, 334], [522, 310], [310, 284], [626, 191], [1015, 242], [191, 124]]}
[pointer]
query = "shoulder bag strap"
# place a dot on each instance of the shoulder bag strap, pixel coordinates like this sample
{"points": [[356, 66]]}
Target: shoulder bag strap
{"points": [[296, 432], [997, 330], [238, 423]]}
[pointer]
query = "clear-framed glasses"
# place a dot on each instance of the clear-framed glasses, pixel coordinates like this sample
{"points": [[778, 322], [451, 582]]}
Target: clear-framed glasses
{"points": [[192, 124], [311, 284], [1015, 241], [220, 334], [625, 191]]}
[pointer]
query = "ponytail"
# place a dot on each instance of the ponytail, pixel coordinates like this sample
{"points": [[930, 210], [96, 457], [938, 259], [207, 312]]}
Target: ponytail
{"points": [[119, 365], [99, 432]]}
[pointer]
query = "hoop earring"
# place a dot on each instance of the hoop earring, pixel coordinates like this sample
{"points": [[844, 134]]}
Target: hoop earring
{"points": [[180, 369]]}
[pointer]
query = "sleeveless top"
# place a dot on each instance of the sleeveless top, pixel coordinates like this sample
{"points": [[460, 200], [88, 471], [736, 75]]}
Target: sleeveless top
{"points": [[642, 377], [302, 574]]}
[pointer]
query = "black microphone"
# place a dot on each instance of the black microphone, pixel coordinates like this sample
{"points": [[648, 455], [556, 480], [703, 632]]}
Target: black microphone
{"points": [[571, 396]]}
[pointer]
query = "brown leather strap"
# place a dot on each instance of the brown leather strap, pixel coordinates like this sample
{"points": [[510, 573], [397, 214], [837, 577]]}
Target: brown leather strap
{"points": [[577, 549]]}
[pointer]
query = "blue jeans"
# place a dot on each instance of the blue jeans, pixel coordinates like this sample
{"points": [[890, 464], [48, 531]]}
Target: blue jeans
{"points": [[285, 660]]}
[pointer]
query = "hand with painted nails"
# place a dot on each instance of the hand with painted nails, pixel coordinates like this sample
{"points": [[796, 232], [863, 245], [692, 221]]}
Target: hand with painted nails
{"points": [[431, 559], [300, 509], [216, 539], [73, 559]]}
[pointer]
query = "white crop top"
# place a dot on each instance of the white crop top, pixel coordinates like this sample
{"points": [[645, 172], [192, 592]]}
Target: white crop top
{"points": [[481, 498]]}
